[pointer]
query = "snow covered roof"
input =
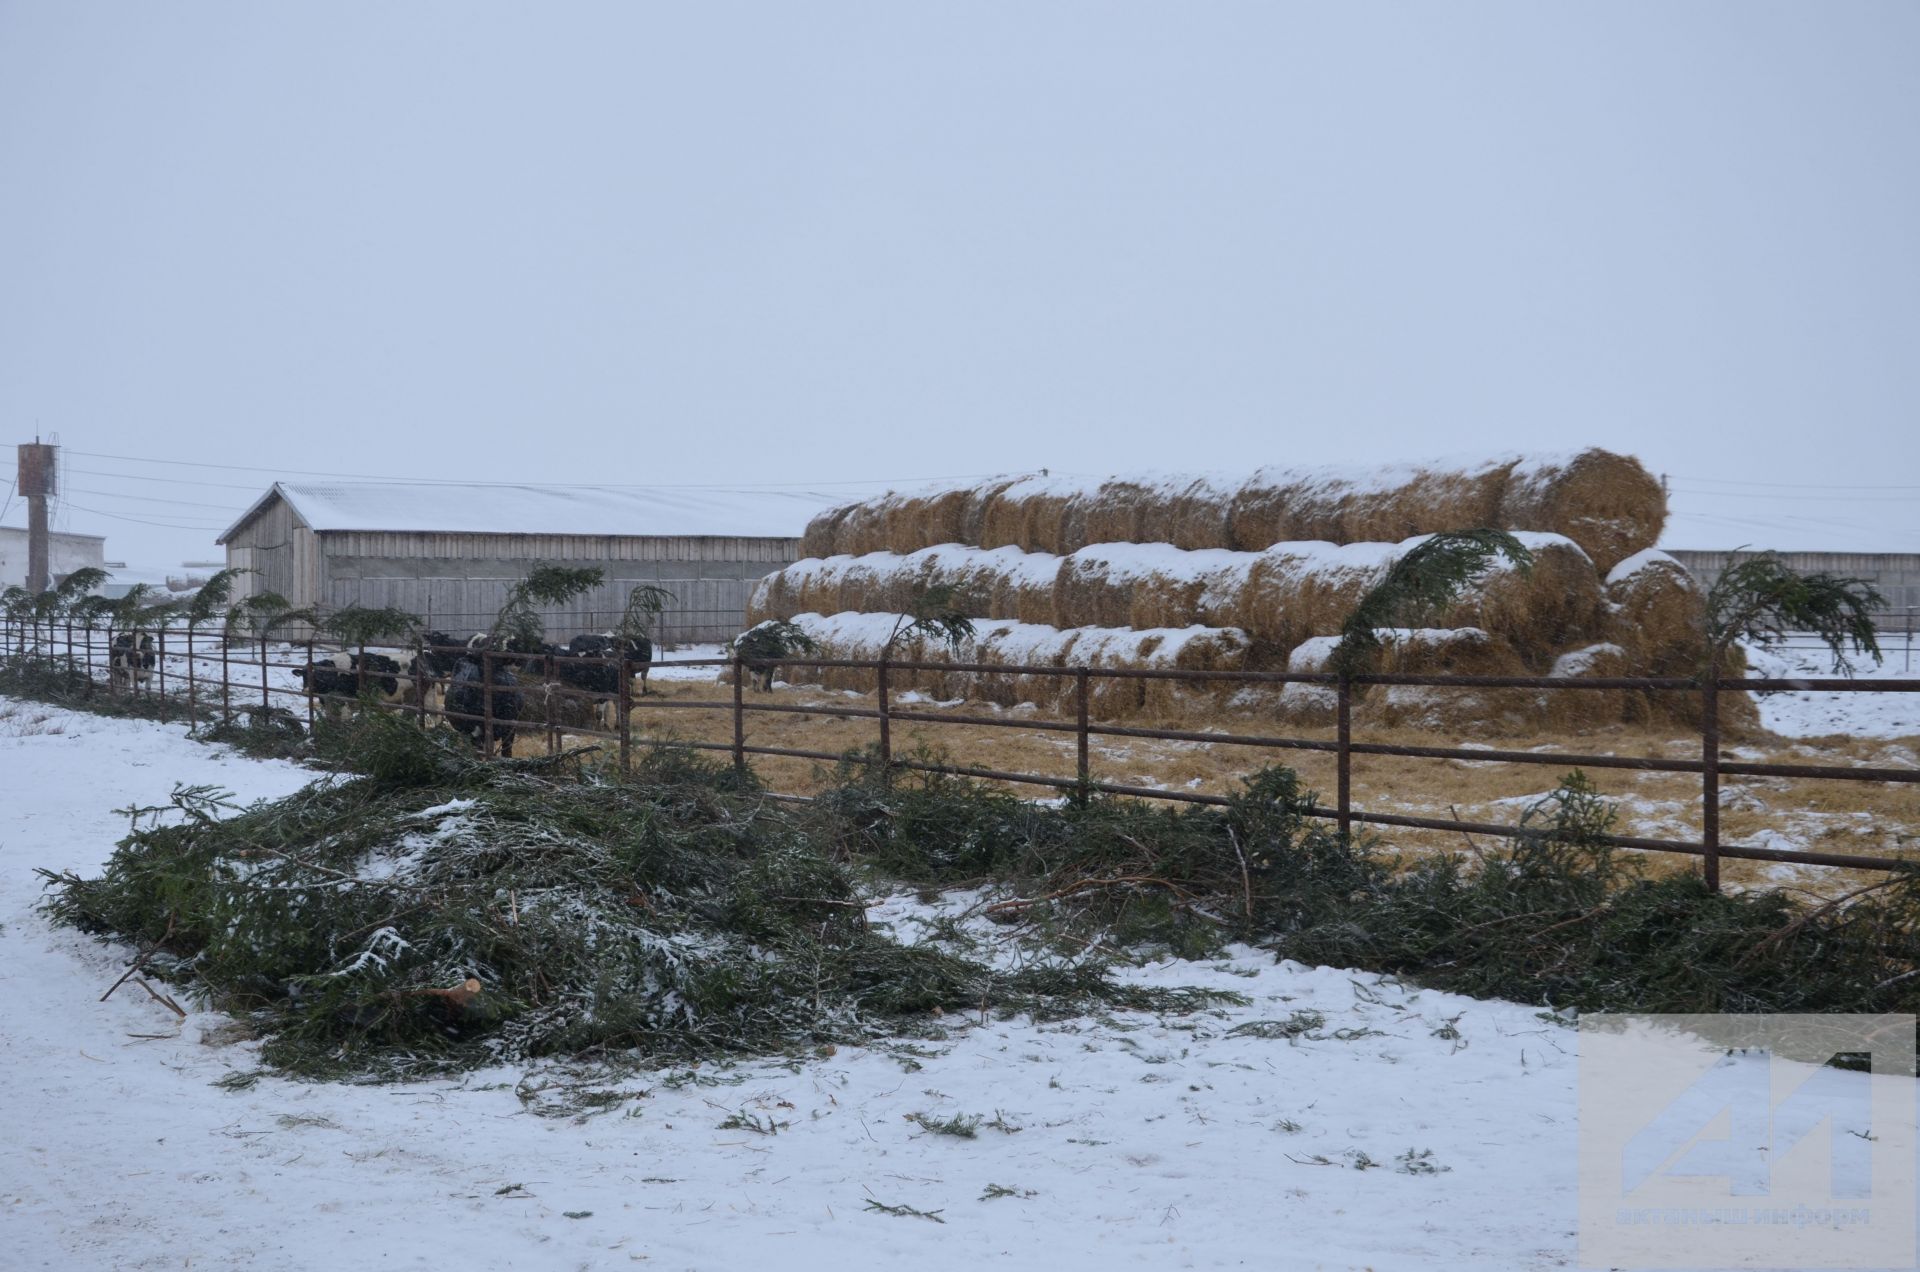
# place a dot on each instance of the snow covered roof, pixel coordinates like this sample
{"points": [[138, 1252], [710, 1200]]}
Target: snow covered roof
{"points": [[481, 508]]}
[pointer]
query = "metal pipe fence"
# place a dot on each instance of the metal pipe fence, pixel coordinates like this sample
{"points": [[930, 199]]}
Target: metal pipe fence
{"points": [[245, 666]]}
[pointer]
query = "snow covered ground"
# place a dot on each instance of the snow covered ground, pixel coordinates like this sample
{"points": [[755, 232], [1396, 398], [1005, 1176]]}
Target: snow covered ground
{"points": [[1868, 715], [1129, 1141]]}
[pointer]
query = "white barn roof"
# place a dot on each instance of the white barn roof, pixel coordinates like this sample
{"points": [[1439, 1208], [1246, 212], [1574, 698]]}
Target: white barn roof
{"points": [[454, 508]]}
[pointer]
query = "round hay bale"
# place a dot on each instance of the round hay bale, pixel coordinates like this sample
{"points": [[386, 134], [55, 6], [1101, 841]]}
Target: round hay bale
{"points": [[1608, 504], [1278, 505], [1584, 710], [1197, 517], [863, 529], [1557, 603], [1091, 591], [1192, 648], [1658, 615], [1426, 651], [1429, 500], [940, 518], [1295, 591], [1115, 513], [822, 535]]}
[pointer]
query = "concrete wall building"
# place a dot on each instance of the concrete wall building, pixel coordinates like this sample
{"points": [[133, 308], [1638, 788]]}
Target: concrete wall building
{"points": [[1895, 574], [449, 552], [65, 554]]}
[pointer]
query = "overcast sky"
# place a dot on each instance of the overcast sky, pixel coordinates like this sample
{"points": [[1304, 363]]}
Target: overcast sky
{"points": [[806, 243]]}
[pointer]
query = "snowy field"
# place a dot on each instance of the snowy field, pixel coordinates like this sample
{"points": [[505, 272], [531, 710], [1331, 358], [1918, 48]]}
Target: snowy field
{"points": [[1141, 1142], [1807, 714], [1411, 1129]]}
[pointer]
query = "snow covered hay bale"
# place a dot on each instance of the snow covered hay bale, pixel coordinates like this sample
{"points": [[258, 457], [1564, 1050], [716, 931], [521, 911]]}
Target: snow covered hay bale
{"points": [[1295, 591], [1658, 614], [1012, 644], [1037, 514], [1419, 651], [1608, 504], [1578, 710], [1540, 611]]}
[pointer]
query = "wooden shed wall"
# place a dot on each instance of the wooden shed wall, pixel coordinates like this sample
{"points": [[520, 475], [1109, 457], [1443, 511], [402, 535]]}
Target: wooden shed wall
{"points": [[459, 581], [283, 553]]}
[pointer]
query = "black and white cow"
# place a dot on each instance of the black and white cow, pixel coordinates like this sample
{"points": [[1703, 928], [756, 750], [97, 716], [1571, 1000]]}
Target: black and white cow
{"points": [[130, 663], [601, 676], [338, 679], [434, 662], [467, 697]]}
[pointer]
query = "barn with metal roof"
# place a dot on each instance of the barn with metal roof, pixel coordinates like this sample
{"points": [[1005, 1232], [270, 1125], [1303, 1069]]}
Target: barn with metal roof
{"points": [[449, 551]]}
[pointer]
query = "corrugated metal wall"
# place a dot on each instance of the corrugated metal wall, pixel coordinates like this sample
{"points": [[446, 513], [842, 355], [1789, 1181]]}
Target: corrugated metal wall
{"points": [[1895, 574]]}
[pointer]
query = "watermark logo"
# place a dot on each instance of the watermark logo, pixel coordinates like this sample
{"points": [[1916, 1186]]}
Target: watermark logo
{"points": [[1747, 1141]]}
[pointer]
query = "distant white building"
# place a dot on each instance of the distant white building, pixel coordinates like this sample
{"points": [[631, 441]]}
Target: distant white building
{"points": [[65, 554]]}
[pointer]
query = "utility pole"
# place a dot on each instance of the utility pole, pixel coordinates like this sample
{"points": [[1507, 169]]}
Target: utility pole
{"points": [[37, 481]]}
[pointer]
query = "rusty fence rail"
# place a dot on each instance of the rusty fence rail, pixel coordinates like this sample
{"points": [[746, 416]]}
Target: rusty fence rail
{"points": [[79, 649]]}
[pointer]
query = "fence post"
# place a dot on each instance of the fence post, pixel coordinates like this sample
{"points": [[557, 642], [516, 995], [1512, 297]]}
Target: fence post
{"points": [[886, 720], [266, 704], [69, 620], [111, 684], [1344, 758], [310, 695], [1083, 769], [626, 714], [739, 716], [193, 719], [1710, 774], [161, 659], [486, 702], [226, 676]]}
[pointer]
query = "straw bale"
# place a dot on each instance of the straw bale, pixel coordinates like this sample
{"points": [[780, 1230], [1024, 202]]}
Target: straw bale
{"points": [[1197, 517], [1583, 710], [1295, 591], [1608, 504], [1434, 500], [1559, 603], [1033, 514], [822, 535], [1015, 644], [1658, 615], [1116, 513], [1092, 591], [939, 517], [1424, 651]]}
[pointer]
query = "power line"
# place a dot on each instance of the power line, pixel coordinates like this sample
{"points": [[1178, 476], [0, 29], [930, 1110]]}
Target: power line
{"points": [[164, 525], [185, 503], [168, 480], [1786, 485], [1775, 495]]}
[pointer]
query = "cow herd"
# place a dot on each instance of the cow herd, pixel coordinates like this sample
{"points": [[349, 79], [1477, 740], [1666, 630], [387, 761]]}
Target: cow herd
{"points": [[489, 686], [482, 686]]}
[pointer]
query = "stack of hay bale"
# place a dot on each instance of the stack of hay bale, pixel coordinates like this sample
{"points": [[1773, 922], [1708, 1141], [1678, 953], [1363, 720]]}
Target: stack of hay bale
{"points": [[1206, 574]]}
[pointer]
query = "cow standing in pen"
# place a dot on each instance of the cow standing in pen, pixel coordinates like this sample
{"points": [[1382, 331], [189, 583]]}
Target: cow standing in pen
{"points": [[469, 702], [435, 659], [572, 670], [130, 662], [337, 680]]}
